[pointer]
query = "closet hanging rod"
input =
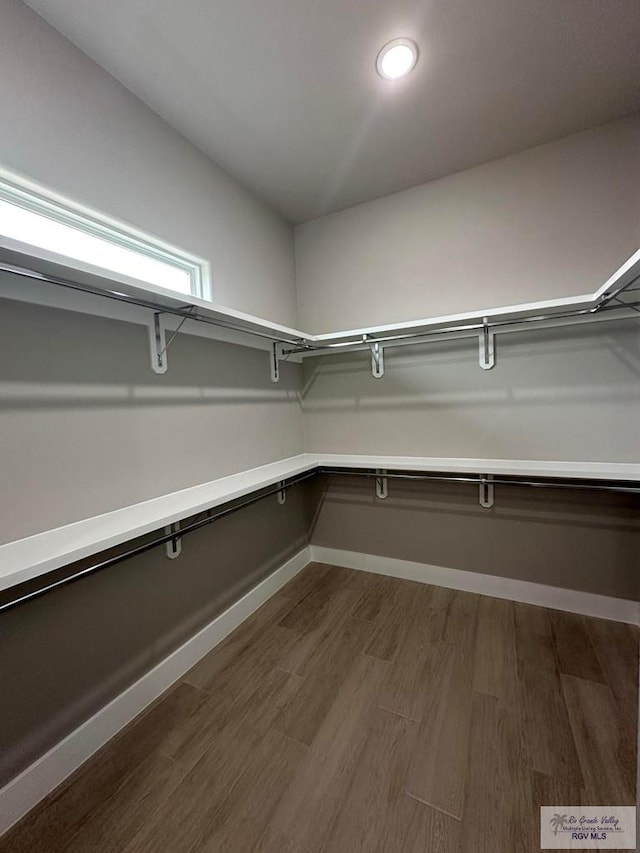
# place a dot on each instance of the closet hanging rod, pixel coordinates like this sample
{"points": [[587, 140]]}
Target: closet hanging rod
{"points": [[630, 487], [147, 546], [184, 313], [297, 345], [472, 328], [613, 294], [480, 479]]}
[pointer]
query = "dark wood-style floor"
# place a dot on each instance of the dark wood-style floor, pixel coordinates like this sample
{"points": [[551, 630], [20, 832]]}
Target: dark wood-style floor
{"points": [[356, 712]]}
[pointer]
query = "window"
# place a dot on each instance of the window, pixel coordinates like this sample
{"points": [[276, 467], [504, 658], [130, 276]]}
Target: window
{"points": [[42, 220]]}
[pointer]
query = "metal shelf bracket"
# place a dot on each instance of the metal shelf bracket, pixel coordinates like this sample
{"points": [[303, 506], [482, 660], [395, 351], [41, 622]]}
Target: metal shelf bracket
{"points": [[173, 548], [487, 347], [377, 357], [382, 488], [486, 491], [274, 364], [282, 494], [158, 344]]}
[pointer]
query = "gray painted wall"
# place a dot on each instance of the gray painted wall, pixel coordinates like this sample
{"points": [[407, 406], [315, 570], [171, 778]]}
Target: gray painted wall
{"points": [[588, 541], [66, 655], [69, 125], [558, 394], [86, 426], [553, 221]]}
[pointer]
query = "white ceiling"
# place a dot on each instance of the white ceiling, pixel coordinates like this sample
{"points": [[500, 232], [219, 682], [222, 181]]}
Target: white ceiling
{"points": [[284, 95]]}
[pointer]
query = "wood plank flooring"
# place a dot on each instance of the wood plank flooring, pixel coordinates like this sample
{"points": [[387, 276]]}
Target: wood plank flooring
{"points": [[355, 712]]}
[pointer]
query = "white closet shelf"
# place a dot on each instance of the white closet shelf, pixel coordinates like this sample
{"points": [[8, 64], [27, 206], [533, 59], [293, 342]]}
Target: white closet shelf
{"points": [[28, 558], [22, 259], [57, 269], [32, 556], [618, 471], [620, 281]]}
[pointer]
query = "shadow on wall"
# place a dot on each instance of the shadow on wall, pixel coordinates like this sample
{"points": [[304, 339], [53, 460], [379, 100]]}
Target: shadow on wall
{"points": [[87, 427], [615, 342], [571, 393], [59, 358], [586, 540]]}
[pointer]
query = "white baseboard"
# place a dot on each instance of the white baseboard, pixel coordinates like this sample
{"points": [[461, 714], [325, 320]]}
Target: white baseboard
{"points": [[585, 603], [45, 774]]}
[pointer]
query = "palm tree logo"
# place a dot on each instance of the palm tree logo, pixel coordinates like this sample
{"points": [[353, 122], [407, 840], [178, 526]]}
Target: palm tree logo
{"points": [[557, 821]]}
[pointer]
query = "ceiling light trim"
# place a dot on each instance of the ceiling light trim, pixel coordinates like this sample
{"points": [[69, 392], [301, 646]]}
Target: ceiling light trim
{"points": [[406, 59]]}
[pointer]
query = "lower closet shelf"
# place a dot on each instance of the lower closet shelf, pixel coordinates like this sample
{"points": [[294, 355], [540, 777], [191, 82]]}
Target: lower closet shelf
{"points": [[28, 558]]}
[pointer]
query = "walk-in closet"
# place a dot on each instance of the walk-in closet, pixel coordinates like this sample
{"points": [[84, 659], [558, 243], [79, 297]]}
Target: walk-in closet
{"points": [[319, 426]]}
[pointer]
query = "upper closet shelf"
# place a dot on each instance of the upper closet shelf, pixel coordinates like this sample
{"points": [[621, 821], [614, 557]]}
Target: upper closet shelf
{"points": [[42, 265], [28, 558], [166, 311], [619, 289]]}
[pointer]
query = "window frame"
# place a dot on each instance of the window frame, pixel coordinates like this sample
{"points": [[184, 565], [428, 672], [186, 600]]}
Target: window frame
{"points": [[36, 199]]}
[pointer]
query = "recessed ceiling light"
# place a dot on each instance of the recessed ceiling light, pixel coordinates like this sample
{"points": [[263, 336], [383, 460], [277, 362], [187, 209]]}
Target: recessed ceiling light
{"points": [[397, 58]]}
